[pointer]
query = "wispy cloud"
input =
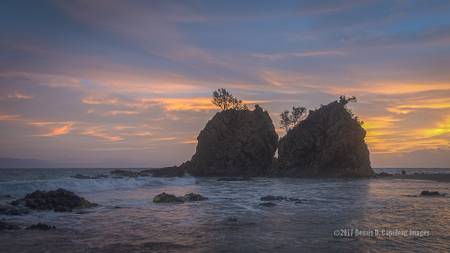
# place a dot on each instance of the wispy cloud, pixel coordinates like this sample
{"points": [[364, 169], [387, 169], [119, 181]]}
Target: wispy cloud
{"points": [[282, 56], [56, 128], [101, 134], [9, 117]]}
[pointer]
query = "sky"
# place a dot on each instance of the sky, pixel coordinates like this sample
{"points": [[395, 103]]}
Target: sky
{"points": [[128, 83]]}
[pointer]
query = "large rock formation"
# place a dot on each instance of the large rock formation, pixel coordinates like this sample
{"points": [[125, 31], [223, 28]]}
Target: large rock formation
{"points": [[235, 143], [329, 142]]}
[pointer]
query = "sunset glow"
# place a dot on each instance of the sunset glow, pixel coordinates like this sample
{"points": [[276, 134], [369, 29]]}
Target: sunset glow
{"points": [[78, 80]]}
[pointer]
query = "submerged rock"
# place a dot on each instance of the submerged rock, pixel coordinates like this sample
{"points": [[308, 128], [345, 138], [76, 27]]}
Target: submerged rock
{"points": [[432, 194], [193, 197], [329, 142], [235, 143], [272, 198], [268, 204], [60, 200], [40, 226], [167, 198]]}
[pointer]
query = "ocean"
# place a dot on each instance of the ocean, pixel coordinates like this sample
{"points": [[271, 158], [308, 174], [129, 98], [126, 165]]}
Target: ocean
{"points": [[333, 215]]}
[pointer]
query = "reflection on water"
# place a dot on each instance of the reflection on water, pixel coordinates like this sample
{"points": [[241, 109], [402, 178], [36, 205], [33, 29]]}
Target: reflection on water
{"points": [[233, 221]]}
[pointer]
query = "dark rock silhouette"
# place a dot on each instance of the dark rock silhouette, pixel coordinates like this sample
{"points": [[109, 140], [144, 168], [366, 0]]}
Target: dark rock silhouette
{"points": [[193, 197], [167, 198], [60, 200], [170, 198], [329, 142], [432, 194], [272, 198], [235, 143], [40, 226]]}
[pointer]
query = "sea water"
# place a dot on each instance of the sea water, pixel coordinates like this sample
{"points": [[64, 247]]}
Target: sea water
{"points": [[333, 215]]}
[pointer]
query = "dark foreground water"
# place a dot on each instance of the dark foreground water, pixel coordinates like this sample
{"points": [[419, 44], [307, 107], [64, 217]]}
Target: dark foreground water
{"points": [[232, 219]]}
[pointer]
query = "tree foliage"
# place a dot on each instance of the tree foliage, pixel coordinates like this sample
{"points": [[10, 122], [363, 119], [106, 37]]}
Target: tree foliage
{"points": [[226, 101], [345, 100], [290, 119]]}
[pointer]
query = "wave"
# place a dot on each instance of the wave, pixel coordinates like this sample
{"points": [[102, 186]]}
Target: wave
{"points": [[20, 188]]}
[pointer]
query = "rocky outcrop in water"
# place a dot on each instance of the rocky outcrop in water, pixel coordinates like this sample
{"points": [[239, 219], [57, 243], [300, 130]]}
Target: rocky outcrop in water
{"points": [[329, 142], [235, 143], [40, 226], [170, 198], [432, 194], [59, 200]]}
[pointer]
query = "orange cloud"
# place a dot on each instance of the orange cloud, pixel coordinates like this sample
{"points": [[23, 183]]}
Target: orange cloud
{"points": [[413, 105], [120, 112], [99, 101], [66, 128], [99, 133], [194, 104], [9, 117], [389, 87]]}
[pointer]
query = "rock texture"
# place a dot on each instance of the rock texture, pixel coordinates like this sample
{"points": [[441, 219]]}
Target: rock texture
{"points": [[235, 143], [329, 142], [59, 200]]}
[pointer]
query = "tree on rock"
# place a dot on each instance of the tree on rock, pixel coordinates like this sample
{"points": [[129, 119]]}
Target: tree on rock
{"points": [[290, 119], [345, 100], [226, 101]]}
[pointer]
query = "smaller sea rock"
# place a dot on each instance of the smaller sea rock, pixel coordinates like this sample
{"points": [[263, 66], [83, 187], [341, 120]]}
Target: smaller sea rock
{"points": [[60, 200], [8, 226], [268, 204], [167, 198], [193, 197], [40, 226], [432, 194], [272, 198]]}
